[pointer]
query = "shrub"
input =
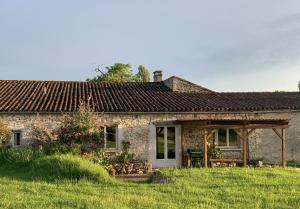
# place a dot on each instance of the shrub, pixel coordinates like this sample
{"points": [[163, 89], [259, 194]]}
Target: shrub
{"points": [[70, 167], [43, 136], [15, 156], [214, 153], [4, 133], [80, 127], [56, 148], [122, 163], [76, 131], [99, 157]]}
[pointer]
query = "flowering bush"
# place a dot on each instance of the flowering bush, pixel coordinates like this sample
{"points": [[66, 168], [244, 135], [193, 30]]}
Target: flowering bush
{"points": [[77, 130], [80, 127], [4, 133], [43, 136]]}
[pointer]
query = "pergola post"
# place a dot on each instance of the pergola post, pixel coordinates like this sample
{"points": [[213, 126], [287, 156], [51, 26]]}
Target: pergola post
{"points": [[244, 147], [282, 137], [205, 149], [283, 153]]}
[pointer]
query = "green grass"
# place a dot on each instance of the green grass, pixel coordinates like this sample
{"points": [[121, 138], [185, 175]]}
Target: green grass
{"points": [[65, 167], [187, 188]]}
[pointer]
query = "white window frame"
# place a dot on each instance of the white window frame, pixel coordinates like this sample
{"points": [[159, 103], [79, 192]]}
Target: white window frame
{"points": [[227, 141], [13, 137], [105, 138]]}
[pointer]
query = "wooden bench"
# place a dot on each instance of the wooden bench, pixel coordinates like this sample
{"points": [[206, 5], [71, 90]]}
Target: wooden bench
{"points": [[225, 162]]}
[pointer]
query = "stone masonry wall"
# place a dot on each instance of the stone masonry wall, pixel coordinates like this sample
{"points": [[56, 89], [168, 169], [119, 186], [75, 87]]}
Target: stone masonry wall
{"points": [[181, 85], [266, 145], [262, 143]]}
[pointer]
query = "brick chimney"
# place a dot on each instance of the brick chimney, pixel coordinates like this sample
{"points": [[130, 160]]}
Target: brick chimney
{"points": [[157, 76]]}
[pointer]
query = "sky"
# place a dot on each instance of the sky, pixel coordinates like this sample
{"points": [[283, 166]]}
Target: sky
{"points": [[230, 45]]}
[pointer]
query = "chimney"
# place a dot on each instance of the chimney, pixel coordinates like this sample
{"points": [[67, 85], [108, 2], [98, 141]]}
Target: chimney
{"points": [[299, 85], [157, 76]]}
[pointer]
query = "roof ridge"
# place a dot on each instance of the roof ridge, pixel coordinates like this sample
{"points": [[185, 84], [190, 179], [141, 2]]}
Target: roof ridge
{"points": [[64, 81]]}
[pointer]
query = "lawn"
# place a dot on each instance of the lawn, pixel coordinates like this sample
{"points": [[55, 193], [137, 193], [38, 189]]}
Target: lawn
{"points": [[187, 188]]}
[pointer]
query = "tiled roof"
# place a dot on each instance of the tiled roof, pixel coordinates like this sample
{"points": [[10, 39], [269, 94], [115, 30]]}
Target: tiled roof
{"points": [[65, 96]]}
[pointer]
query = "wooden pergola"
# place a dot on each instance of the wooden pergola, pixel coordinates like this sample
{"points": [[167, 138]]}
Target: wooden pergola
{"points": [[243, 128]]}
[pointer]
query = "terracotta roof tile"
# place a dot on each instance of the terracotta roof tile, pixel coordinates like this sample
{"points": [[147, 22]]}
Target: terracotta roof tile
{"points": [[65, 96]]}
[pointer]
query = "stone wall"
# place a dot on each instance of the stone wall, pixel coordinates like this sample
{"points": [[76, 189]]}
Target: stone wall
{"points": [[181, 85], [262, 143], [266, 145]]}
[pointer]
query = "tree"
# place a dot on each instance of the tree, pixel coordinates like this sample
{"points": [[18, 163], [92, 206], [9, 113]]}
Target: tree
{"points": [[119, 73], [4, 133], [143, 74]]}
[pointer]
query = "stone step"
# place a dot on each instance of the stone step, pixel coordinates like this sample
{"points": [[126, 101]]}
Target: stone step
{"points": [[134, 177]]}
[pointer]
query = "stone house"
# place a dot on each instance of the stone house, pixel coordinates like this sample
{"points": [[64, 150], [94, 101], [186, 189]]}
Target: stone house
{"points": [[164, 118]]}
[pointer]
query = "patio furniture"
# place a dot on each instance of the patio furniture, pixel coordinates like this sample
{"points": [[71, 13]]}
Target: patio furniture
{"points": [[196, 157]]}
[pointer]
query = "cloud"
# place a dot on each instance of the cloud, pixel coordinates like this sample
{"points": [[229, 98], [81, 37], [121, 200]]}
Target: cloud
{"points": [[275, 46]]}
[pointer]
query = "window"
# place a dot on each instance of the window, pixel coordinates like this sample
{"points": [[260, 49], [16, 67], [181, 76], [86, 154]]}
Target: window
{"points": [[160, 143], [165, 142], [171, 145], [109, 137], [226, 137], [17, 138]]}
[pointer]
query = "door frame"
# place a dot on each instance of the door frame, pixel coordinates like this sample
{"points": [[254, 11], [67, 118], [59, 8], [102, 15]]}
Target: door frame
{"points": [[160, 163]]}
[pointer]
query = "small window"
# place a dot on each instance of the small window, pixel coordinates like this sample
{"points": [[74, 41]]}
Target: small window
{"points": [[226, 137], [110, 137], [17, 138]]}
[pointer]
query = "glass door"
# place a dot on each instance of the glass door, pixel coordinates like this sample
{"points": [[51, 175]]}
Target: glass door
{"points": [[166, 146]]}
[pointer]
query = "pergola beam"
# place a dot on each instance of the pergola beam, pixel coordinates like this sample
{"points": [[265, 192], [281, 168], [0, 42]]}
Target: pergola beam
{"points": [[256, 126]]}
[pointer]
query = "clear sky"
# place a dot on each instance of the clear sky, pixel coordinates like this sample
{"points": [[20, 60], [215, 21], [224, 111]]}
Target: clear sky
{"points": [[231, 45]]}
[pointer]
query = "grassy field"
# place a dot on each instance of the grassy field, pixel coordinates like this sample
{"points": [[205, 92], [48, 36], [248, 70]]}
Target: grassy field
{"points": [[188, 188]]}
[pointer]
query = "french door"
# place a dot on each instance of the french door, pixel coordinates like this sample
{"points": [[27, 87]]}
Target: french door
{"points": [[166, 146]]}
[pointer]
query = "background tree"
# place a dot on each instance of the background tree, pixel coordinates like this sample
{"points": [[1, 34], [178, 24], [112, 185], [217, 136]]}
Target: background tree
{"points": [[4, 133], [143, 74], [119, 73]]}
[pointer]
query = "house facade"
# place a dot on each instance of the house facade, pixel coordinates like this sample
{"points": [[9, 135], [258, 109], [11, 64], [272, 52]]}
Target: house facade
{"points": [[164, 118]]}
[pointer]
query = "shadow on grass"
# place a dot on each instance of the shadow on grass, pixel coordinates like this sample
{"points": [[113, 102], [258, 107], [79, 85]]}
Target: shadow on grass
{"points": [[15, 172]]}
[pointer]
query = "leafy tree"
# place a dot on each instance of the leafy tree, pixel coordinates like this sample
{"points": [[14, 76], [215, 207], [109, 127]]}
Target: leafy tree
{"points": [[143, 74], [119, 73], [4, 133]]}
